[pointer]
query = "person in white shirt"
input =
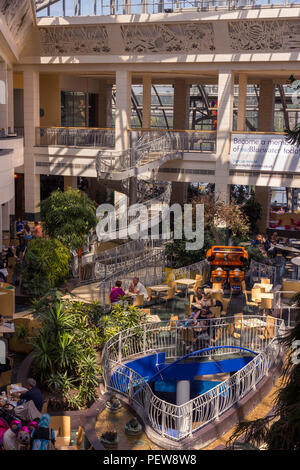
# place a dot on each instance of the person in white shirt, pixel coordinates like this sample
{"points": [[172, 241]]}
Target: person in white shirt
{"points": [[3, 273], [136, 287]]}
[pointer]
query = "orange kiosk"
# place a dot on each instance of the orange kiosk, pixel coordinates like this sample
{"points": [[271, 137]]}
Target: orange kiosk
{"points": [[226, 263]]}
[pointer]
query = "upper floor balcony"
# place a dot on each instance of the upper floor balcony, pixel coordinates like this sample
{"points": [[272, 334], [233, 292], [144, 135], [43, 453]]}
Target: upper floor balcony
{"points": [[104, 138], [67, 8]]}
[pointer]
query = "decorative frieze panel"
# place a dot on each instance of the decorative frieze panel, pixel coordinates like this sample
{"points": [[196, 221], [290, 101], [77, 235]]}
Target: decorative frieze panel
{"points": [[277, 35], [161, 38], [18, 17], [69, 40]]}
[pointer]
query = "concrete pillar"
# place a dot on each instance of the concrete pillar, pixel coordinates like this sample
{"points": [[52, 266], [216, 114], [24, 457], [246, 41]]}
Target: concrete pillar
{"points": [[103, 103], [1, 237], [181, 104], [179, 192], [147, 86], [31, 122], [182, 397], [3, 97], [263, 196], [10, 87], [123, 108], [70, 182], [12, 217], [5, 217], [241, 115], [266, 105], [224, 127]]}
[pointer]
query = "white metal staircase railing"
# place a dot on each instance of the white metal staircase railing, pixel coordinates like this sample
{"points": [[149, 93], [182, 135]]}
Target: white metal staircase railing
{"points": [[255, 333], [142, 158]]}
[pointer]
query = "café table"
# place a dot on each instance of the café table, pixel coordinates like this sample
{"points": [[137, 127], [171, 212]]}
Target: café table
{"points": [[159, 289], [186, 282], [263, 287], [287, 248]]}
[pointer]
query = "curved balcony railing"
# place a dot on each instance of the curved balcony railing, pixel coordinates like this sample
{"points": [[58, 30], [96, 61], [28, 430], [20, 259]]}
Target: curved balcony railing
{"points": [[256, 333], [92, 137], [127, 7]]}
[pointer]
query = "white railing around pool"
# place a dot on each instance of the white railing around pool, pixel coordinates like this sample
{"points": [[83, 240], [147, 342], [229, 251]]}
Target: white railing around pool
{"points": [[256, 333]]}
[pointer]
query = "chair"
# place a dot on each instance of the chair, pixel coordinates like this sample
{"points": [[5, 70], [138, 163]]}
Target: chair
{"points": [[173, 285], [173, 320], [268, 331], [217, 296], [187, 308], [255, 295], [265, 280], [231, 332], [146, 310], [216, 311], [237, 320], [45, 406], [199, 277], [170, 294], [139, 300], [265, 304], [149, 292], [248, 302], [225, 303], [62, 428]]}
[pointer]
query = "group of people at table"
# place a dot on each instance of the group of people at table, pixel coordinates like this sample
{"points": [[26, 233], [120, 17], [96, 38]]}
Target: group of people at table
{"points": [[117, 294], [22, 424]]}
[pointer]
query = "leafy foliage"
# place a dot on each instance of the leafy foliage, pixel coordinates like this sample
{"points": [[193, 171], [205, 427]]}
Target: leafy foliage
{"points": [[178, 256], [68, 216], [220, 213], [71, 332], [122, 317], [47, 266], [64, 352]]}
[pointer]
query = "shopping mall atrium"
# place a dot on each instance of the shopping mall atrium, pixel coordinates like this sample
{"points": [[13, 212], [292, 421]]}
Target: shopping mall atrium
{"points": [[116, 339]]}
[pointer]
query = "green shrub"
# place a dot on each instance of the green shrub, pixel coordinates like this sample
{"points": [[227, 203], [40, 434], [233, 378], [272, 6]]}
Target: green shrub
{"points": [[47, 266], [68, 216], [64, 353]]}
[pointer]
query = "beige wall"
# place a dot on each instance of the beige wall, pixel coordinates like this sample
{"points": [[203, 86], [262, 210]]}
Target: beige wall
{"points": [[50, 100]]}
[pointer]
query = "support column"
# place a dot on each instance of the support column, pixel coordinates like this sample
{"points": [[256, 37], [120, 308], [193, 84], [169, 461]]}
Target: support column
{"points": [[182, 397], [1, 237], [181, 107], [224, 127], [104, 104], [266, 105], [12, 217], [3, 98], [5, 217], [147, 86], [70, 182], [123, 108], [241, 115], [31, 121], [263, 196]]}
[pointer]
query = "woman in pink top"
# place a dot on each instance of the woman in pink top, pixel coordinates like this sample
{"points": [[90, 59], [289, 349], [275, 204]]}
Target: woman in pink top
{"points": [[116, 293]]}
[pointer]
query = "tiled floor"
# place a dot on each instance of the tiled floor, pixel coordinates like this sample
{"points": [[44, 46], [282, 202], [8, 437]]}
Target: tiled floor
{"points": [[108, 421]]}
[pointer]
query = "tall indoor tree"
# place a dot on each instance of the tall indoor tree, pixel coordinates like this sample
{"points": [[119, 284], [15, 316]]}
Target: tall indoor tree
{"points": [[68, 216]]}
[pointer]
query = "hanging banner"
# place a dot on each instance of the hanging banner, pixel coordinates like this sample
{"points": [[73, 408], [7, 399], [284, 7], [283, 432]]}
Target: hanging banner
{"points": [[263, 152]]}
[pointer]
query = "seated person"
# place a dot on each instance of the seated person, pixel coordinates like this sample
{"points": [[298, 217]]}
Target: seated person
{"points": [[116, 293], [3, 273], [136, 287], [207, 302], [196, 299], [33, 394]]}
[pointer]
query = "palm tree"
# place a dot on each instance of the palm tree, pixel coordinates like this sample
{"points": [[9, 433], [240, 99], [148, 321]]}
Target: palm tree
{"points": [[280, 430]]}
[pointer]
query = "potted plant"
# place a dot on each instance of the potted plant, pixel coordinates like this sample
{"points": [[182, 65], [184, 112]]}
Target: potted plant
{"points": [[133, 427], [109, 439]]}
